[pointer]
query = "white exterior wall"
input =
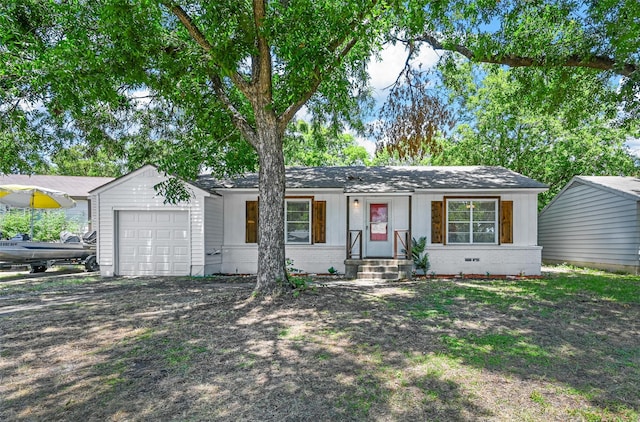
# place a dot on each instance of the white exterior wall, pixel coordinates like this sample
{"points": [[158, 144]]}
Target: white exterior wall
{"points": [[523, 256], [213, 234], [239, 257], [593, 227], [135, 192]]}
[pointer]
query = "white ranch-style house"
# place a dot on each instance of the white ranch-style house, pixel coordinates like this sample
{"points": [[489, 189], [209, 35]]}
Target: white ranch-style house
{"points": [[477, 220]]}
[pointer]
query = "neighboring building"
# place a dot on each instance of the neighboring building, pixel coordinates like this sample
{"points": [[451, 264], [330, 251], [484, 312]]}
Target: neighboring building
{"points": [[593, 222], [478, 220], [77, 187]]}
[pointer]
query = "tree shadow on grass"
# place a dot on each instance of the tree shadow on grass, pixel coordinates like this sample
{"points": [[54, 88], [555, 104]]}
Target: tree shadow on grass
{"points": [[198, 350], [163, 349]]}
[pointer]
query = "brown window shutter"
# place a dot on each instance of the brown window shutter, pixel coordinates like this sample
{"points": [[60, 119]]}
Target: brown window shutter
{"points": [[251, 228], [319, 221], [437, 222], [506, 222]]}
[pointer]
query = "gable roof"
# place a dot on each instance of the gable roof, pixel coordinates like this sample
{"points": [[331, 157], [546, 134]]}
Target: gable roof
{"points": [[618, 184], [77, 187], [626, 186], [385, 179], [136, 173]]}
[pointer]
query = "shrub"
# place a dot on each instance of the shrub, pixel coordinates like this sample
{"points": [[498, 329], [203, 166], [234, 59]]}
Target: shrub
{"points": [[420, 257], [47, 224]]}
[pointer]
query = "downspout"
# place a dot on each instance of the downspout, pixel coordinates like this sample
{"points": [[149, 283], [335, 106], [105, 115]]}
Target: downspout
{"points": [[410, 228]]}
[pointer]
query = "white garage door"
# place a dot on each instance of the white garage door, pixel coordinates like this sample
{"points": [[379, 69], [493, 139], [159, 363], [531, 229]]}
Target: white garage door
{"points": [[153, 243]]}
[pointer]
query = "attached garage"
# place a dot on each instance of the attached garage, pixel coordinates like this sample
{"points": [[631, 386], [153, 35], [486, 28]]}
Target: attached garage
{"points": [[140, 235], [153, 243]]}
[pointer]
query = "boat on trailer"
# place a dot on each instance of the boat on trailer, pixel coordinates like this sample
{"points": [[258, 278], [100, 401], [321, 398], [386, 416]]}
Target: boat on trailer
{"points": [[42, 255]]}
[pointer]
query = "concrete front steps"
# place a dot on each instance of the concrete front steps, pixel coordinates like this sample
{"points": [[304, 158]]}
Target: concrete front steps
{"points": [[378, 269]]}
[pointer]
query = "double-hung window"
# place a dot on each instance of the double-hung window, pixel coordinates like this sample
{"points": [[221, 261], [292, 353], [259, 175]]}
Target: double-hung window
{"points": [[472, 221], [298, 221]]}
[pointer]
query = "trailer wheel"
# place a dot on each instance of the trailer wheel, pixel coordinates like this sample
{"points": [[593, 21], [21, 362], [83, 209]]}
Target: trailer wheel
{"points": [[38, 269], [91, 264]]}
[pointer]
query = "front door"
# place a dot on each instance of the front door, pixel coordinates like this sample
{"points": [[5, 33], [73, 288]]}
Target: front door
{"points": [[379, 235]]}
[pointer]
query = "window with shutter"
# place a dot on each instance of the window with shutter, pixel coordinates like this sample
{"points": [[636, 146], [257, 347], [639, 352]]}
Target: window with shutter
{"points": [[437, 222], [251, 222], [472, 220], [319, 221], [297, 221], [506, 222]]}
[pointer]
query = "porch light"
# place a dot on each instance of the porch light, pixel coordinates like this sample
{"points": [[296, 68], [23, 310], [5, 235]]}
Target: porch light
{"points": [[356, 203]]}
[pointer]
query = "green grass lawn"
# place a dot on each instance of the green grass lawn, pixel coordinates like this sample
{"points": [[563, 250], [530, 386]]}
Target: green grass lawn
{"points": [[563, 347]]}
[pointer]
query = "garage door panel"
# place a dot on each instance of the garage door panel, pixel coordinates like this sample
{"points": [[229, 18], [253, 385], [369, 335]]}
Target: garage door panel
{"points": [[163, 267], [163, 250], [180, 251], [153, 243], [164, 218], [163, 234], [181, 218], [145, 234], [181, 268], [126, 267], [128, 234], [145, 251], [145, 267], [180, 234], [145, 217]]}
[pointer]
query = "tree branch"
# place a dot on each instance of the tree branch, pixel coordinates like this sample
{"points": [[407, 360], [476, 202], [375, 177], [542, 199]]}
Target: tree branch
{"points": [[201, 40], [594, 62], [319, 73], [288, 114], [238, 119]]}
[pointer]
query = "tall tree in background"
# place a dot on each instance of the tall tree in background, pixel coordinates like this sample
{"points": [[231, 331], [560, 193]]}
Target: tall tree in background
{"points": [[538, 134], [306, 145], [212, 80]]}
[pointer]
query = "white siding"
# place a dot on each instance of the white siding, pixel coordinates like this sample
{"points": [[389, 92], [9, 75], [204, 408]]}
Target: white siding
{"points": [[589, 226], [213, 234], [242, 258], [523, 256], [135, 192]]}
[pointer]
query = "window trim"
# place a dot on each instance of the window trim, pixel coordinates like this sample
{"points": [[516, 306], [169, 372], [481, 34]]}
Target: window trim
{"points": [[309, 201], [496, 222]]}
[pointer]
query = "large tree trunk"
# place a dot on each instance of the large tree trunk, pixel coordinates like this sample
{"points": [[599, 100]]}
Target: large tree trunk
{"points": [[272, 278]]}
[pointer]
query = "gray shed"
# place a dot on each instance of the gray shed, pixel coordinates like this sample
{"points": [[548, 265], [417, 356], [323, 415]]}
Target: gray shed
{"points": [[593, 222]]}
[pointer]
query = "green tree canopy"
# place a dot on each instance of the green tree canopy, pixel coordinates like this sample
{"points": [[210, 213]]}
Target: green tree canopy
{"points": [[503, 123], [201, 84], [306, 145]]}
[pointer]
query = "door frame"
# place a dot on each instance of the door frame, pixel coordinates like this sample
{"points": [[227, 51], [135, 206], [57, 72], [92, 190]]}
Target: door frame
{"points": [[374, 248]]}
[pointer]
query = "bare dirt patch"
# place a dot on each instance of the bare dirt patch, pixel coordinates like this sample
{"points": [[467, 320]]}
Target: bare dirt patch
{"points": [[78, 347]]}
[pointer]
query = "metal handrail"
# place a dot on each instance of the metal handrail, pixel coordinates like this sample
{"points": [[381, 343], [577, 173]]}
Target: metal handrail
{"points": [[405, 252], [352, 242]]}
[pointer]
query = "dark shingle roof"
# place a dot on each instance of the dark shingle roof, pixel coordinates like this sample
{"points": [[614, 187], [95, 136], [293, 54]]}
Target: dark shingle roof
{"points": [[385, 179], [74, 186]]}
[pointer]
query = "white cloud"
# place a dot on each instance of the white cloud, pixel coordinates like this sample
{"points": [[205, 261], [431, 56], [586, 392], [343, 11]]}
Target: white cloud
{"points": [[634, 146], [385, 70]]}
